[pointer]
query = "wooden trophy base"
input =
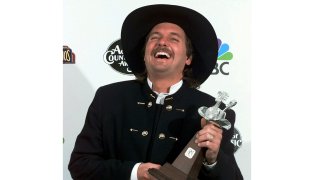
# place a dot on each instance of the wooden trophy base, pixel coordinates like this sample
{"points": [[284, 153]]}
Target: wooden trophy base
{"points": [[167, 172], [185, 167]]}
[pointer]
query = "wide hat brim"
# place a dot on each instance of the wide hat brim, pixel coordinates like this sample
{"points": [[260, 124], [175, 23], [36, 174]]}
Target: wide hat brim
{"points": [[139, 23]]}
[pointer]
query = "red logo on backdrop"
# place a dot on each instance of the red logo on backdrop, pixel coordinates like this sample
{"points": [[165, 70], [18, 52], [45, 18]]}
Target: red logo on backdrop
{"points": [[68, 56]]}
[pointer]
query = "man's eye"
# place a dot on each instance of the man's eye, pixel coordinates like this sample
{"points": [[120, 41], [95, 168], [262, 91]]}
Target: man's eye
{"points": [[174, 40], [153, 37]]}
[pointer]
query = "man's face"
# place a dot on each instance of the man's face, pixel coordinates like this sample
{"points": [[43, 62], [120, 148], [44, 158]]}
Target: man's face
{"points": [[165, 53]]}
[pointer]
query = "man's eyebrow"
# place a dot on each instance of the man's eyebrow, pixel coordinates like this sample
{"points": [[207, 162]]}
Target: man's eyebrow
{"points": [[155, 32], [176, 34], [171, 33]]}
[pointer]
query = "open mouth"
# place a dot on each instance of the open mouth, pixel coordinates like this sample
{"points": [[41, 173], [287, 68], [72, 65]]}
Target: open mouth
{"points": [[161, 52], [162, 55]]}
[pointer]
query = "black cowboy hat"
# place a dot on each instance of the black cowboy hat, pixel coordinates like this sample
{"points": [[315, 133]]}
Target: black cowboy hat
{"points": [[139, 23]]}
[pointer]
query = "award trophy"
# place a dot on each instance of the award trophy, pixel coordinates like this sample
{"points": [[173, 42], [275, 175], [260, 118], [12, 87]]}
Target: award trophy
{"points": [[188, 164]]}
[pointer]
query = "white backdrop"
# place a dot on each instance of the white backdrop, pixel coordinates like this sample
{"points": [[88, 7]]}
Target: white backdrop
{"points": [[90, 27]]}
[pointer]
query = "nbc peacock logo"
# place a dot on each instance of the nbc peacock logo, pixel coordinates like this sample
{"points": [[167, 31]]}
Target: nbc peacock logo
{"points": [[224, 56]]}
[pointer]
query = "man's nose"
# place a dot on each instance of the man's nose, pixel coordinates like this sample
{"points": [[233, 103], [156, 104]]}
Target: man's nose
{"points": [[162, 41]]}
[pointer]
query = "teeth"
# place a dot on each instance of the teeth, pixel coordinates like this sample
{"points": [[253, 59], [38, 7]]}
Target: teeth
{"points": [[161, 54]]}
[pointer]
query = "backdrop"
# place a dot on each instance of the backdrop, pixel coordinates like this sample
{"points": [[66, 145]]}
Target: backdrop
{"points": [[92, 57]]}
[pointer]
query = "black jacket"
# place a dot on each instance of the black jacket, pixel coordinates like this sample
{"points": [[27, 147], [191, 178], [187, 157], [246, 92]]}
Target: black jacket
{"points": [[125, 126]]}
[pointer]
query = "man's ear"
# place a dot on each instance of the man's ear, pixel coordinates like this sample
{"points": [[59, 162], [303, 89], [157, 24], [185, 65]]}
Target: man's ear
{"points": [[189, 60]]}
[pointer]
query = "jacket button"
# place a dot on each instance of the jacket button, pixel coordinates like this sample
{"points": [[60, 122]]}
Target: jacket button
{"points": [[162, 136], [149, 104], [169, 108], [144, 133]]}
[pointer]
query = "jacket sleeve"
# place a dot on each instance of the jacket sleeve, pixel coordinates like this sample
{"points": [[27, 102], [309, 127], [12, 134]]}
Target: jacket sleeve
{"points": [[226, 167], [90, 159]]}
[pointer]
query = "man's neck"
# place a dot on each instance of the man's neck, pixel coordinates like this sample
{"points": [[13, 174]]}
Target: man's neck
{"points": [[162, 85]]}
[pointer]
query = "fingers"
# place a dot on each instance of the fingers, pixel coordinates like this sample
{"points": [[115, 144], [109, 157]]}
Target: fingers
{"points": [[152, 165], [205, 122], [209, 136], [143, 170], [209, 130], [211, 143]]}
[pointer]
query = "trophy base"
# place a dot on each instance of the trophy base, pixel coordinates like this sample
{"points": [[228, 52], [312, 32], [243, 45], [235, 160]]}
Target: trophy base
{"points": [[169, 172]]}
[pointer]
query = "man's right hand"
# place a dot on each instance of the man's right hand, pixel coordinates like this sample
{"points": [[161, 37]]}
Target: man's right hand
{"points": [[143, 170]]}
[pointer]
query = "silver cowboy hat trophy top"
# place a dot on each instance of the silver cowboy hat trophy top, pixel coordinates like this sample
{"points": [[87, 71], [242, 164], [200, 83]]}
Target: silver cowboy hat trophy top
{"points": [[215, 114]]}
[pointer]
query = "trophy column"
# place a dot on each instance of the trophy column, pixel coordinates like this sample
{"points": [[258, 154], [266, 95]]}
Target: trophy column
{"points": [[186, 166]]}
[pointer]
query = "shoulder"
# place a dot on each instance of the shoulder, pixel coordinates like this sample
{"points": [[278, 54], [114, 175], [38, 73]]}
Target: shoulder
{"points": [[196, 95], [107, 95], [201, 93], [120, 86], [118, 89]]}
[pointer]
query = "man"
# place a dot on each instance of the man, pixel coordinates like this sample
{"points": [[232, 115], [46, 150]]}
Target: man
{"points": [[136, 125]]}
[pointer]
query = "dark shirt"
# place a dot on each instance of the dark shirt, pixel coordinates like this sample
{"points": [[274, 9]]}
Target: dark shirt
{"points": [[124, 126]]}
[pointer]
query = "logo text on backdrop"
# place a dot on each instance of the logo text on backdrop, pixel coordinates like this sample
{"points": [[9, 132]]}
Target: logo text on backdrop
{"points": [[115, 58], [68, 56], [236, 140]]}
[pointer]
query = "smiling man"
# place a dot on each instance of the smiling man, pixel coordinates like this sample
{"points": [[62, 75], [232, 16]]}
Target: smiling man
{"points": [[136, 125], [166, 56]]}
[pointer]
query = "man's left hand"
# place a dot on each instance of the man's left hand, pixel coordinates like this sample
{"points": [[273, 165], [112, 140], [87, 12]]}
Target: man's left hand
{"points": [[209, 137]]}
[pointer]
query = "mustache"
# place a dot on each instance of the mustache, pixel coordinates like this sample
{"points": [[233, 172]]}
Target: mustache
{"points": [[161, 49]]}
